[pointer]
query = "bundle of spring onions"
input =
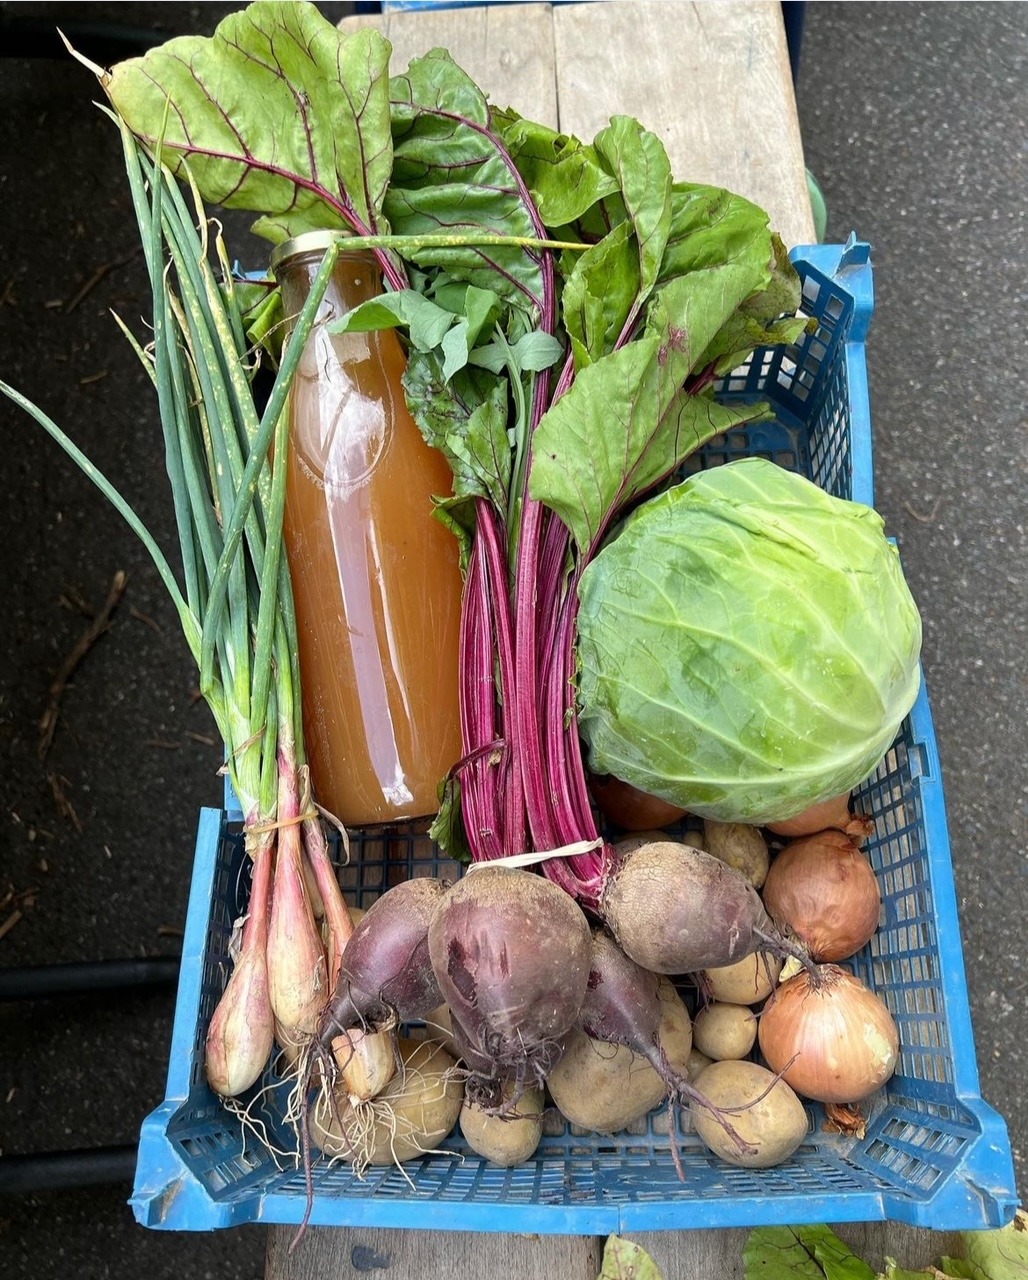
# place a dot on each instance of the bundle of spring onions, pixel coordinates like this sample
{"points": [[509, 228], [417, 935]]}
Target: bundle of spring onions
{"points": [[234, 602]]}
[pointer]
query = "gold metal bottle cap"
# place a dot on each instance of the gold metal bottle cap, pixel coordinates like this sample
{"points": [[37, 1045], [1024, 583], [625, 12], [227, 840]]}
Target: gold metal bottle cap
{"points": [[308, 242]]}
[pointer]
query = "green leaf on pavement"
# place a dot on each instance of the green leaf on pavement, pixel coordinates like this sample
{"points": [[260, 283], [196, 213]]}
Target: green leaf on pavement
{"points": [[801, 1253], [623, 1260], [999, 1255]]}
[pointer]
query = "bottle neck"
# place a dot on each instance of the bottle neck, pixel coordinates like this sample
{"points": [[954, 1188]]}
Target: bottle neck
{"points": [[355, 278]]}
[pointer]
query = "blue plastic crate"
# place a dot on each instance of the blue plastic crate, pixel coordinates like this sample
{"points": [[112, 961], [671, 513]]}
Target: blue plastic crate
{"points": [[934, 1153]]}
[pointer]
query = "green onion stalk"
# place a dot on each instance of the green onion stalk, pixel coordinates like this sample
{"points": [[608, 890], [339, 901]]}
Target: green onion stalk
{"points": [[226, 463]]}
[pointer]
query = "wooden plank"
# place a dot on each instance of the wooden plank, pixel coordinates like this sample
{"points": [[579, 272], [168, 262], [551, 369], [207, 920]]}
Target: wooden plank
{"points": [[327, 1254], [506, 49], [711, 79]]}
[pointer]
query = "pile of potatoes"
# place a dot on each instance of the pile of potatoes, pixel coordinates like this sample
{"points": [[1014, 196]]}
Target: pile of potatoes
{"points": [[597, 1087], [605, 1089]]}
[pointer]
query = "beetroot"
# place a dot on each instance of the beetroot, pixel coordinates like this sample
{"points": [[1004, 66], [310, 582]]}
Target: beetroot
{"points": [[511, 954], [674, 909], [386, 977], [622, 1006]]}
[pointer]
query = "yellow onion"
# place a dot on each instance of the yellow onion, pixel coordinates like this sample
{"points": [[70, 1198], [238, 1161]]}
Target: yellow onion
{"points": [[829, 1036], [824, 890], [834, 813]]}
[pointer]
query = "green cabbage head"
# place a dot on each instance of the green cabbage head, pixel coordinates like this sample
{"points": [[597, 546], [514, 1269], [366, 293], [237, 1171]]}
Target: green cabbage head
{"points": [[747, 645]]}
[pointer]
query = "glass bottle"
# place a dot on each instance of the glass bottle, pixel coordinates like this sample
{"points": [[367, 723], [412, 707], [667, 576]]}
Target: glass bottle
{"points": [[375, 576]]}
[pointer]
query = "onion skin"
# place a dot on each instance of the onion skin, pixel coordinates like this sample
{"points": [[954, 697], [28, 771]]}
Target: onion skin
{"points": [[629, 808], [297, 968], [823, 890], [830, 1038], [242, 1031], [826, 815]]}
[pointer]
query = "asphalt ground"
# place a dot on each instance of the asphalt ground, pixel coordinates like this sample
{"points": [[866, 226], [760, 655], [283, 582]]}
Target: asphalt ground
{"points": [[913, 118]]}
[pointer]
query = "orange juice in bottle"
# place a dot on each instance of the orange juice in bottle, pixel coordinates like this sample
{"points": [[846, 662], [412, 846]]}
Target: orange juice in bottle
{"points": [[376, 581]]}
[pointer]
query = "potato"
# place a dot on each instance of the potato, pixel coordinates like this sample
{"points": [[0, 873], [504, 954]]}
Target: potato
{"points": [[414, 1112], [502, 1140], [775, 1125], [675, 1025], [742, 847], [747, 981], [439, 1027], [604, 1087], [697, 1062], [636, 841], [725, 1031]]}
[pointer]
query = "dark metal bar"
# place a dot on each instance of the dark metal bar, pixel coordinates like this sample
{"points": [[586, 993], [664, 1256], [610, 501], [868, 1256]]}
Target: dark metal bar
{"points": [[58, 1170], [41, 982]]}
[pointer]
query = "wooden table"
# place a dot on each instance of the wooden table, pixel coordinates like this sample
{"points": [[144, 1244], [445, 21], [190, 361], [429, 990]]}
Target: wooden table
{"points": [[713, 80]]}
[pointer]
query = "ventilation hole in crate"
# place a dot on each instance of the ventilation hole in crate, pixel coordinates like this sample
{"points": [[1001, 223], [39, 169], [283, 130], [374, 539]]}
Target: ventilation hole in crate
{"points": [[835, 307], [902, 1130], [243, 881]]}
